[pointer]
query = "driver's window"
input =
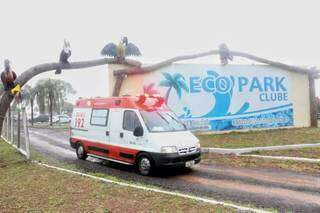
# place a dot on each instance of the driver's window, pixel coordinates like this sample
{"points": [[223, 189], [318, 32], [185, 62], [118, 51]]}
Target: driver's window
{"points": [[130, 120]]}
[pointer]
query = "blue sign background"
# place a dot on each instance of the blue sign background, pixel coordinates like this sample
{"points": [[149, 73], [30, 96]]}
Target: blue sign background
{"points": [[212, 97]]}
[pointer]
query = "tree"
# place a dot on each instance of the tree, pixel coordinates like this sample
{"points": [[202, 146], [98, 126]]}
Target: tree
{"points": [[28, 96], [51, 95], [176, 81], [67, 108]]}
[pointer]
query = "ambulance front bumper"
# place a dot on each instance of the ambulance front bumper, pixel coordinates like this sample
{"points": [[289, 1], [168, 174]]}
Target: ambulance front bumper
{"points": [[174, 159]]}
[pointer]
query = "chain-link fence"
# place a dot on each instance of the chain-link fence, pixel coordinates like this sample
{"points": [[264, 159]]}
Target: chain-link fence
{"points": [[15, 131]]}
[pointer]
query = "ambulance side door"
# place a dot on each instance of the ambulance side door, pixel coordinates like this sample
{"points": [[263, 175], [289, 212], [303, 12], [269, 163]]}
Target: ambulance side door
{"points": [[130, 122], [115, 120], [99, 127]]}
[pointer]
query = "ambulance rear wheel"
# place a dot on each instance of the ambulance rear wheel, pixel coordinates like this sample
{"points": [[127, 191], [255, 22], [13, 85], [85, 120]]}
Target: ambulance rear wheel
{"points": [[81, 153], [145, 165]]}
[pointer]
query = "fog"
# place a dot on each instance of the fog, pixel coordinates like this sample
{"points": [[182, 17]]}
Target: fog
{"points": [[33, 32]]}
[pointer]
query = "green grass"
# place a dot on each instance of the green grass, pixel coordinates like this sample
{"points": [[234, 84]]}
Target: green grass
{"points": [[313, 152], [47, 126], [253, 162], [46, 159], [27, 187], [261, 138]]}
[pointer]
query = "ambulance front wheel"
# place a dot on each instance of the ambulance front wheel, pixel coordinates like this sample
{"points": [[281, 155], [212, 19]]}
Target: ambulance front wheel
{"points": [[81, 153], [145, 165]]}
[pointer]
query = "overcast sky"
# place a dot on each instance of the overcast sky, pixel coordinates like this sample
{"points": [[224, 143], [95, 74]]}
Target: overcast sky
{"points": [[33, 32]]}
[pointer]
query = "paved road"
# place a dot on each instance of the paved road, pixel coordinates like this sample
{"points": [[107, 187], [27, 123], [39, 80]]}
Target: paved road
{"points": [[281, 190]]}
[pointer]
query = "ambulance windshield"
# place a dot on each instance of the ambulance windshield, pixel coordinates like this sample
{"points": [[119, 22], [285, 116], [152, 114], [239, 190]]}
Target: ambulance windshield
{"points": [[162, 121]]}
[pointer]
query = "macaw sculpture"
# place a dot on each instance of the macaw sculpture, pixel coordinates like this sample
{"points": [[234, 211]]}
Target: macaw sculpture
{"points": [[8, 76], [120, 51], [64, 55], [224, 54]]}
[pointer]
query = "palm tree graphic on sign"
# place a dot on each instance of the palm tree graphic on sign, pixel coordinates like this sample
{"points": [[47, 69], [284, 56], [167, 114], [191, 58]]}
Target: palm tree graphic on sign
{"points": [[150, 90], [176, 81]]}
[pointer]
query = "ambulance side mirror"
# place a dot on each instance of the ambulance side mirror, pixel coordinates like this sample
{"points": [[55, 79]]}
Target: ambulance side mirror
{"points": [[138, 131]]}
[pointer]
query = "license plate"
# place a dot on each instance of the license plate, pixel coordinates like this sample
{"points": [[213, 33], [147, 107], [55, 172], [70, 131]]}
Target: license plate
{"points": [[190, 164]]}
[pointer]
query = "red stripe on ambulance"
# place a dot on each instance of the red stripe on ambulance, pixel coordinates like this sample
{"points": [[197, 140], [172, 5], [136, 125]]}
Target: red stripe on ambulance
{"points": [[112, 152]]}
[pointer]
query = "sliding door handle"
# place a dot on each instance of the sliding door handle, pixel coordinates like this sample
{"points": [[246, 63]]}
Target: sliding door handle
{"points": [[121, 134]]}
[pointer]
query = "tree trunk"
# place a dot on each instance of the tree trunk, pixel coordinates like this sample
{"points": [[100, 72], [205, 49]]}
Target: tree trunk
{"points": [[10, 116], [50, 108], [4, 105], [19, 129], [149, 68], [36, 70], [117, 85], [41, 104]]}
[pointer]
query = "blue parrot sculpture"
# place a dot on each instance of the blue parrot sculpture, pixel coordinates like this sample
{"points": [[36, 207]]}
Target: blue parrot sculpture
{"points": [[120, 51]]}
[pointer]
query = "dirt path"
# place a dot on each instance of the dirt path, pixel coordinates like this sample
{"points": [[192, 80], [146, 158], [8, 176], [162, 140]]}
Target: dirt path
{"points": [[281, 190]]}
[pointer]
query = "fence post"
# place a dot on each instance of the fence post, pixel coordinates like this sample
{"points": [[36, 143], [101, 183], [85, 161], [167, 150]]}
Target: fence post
{"points": [[11, 132], [19, 131], [26, 133], [7, 127], [9, 123]]}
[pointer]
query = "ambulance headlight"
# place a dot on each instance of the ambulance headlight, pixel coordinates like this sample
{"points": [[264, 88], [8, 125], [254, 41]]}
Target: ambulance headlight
{"points": [[198, 145], [169, 149]]}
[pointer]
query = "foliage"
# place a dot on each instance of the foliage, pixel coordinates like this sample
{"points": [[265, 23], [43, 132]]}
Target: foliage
{"points": [[27, 94], [40, 92], [67, 108], [54, 90]]}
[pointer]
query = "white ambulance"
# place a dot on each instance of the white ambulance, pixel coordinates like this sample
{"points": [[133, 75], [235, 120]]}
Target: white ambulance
{"points": [[140, 131]]}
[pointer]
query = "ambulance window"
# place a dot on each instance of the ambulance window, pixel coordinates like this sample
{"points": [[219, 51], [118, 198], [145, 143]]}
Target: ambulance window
{"points": [[99, 117], [130, 120]]}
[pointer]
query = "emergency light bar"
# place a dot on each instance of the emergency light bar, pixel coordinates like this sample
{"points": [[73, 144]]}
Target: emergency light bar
{"points": [[143, 98]]}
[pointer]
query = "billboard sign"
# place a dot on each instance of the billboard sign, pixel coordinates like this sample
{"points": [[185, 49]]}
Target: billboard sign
{"points": [[212, 97]]}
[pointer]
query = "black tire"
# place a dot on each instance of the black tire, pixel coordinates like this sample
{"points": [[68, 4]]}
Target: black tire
{"points": [[145, 165], [81, 153]]}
